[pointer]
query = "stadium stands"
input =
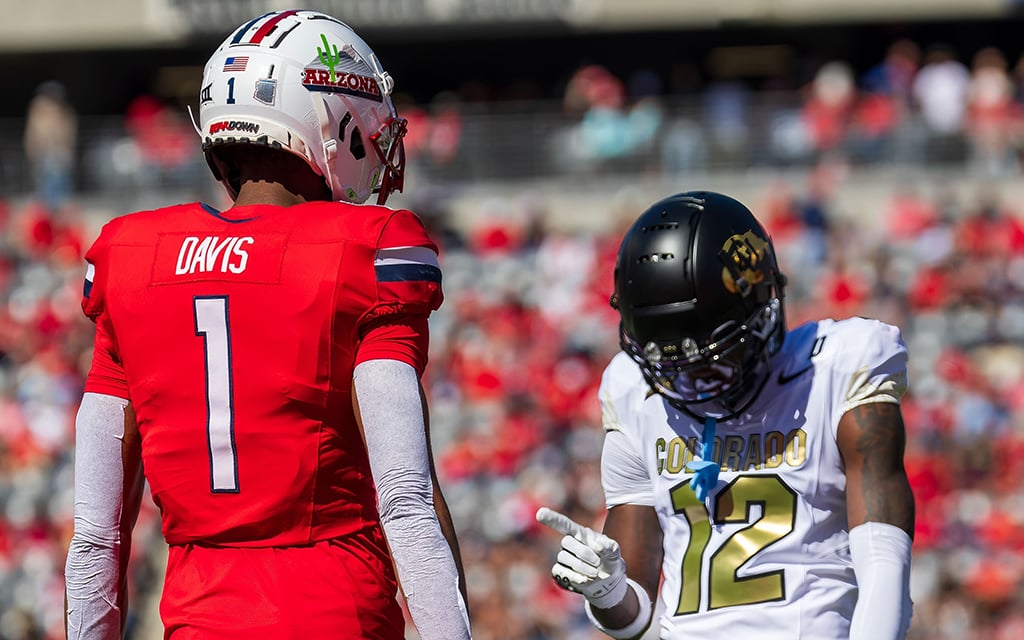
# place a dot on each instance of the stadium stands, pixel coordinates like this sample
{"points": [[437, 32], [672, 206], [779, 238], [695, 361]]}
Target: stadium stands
{"points": [[879, 207]]}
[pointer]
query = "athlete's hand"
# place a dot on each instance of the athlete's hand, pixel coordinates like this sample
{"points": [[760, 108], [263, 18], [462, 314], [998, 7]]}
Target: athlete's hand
{"points": [[589, 562]]}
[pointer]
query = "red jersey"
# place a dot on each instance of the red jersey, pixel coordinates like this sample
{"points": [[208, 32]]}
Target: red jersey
{"points": [[234, 335]]}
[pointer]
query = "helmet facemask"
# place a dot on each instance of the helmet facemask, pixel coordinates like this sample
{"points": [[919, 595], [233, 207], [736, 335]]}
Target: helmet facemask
{"points": [[716, 377], [387, 143]]}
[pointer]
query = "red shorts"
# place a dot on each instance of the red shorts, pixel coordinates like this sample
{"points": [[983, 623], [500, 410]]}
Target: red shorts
{"points": [[342, 589]]}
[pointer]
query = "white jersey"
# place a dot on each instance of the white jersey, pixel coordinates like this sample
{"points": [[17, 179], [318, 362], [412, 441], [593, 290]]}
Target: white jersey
{"points": [[766, 554]]}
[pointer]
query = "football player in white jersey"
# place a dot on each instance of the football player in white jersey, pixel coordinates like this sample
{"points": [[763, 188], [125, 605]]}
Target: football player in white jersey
{"points": [[757, 471]]}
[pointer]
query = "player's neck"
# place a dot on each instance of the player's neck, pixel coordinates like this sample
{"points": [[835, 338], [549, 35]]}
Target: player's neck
{"points": [[272, 193]]}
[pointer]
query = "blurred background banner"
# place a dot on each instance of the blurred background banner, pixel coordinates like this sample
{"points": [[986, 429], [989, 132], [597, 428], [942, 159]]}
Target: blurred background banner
{"points": [[59, 24], [880, 141]]}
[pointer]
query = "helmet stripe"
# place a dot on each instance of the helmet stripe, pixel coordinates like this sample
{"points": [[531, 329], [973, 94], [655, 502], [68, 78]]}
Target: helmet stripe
{"points": [[264, 29], [269, 25], [245, 28]]}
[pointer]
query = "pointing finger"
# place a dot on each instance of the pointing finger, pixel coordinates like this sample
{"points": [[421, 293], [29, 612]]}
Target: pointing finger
{"points": [[560, 523]]}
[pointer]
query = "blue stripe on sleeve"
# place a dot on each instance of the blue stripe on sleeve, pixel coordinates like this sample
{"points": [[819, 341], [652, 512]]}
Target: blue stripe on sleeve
{"points": [[408, 273]]}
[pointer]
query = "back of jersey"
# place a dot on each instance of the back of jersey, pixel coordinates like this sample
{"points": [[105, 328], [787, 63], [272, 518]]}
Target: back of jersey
{"points": [[237, 335]]}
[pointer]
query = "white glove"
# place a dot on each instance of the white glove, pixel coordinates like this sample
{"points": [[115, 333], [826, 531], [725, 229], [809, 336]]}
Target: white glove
{"points": [[589, 562]]}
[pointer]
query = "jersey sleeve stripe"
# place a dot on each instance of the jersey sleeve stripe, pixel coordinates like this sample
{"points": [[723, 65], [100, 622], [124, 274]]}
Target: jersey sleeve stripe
{"points": [[408, 272], [90, 275], [407, 264], [406, 255]]}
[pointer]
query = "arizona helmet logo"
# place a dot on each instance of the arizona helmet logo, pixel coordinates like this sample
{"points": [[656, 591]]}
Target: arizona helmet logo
{"points": [[745, 257], [319, 79]]}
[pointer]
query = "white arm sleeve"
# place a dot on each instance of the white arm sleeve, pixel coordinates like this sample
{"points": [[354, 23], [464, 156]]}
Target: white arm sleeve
{"points": [[388, 392], [881, 562], [91, 572], [623, 474]]}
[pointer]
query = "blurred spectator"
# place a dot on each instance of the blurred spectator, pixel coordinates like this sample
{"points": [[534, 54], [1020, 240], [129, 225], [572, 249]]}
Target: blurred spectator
{"points": [[416, 135], [988, 230], [909, 214], [993, 116], [843, 291], [50, 139], [434, 138], [894, 75], [847, 123], [614, 128], [163, 142], [646, 115], [815, 217], [873, 129], [940, 91], [893, 81], [725, 110], [604, 133], [445, 132], [827, 110]]}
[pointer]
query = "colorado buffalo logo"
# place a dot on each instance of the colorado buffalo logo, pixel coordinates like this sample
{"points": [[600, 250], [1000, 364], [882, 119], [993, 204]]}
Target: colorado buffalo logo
{"points": [[746, 258]]}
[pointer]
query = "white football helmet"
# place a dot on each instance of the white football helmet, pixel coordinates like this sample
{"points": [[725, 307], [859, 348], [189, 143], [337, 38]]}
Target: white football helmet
{"points": [[305, 82]]}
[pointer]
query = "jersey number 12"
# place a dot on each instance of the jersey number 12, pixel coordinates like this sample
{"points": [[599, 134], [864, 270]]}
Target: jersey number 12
{"points": [[733, 505]]}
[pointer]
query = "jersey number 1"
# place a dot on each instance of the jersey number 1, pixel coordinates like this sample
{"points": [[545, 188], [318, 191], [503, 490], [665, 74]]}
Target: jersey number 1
{"points": [[211, 315]]}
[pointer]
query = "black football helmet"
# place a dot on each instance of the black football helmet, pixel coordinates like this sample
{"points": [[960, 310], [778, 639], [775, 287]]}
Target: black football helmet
{"points": [[699, 295]]}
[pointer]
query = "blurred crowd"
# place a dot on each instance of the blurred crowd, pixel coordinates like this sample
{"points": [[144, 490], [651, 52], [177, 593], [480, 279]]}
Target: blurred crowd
{"points": [[917, 105], [519, 345]]}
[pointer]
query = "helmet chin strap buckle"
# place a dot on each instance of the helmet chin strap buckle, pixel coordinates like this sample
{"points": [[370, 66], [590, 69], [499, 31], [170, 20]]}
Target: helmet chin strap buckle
{"points": [[331, 149], [330, 143]]}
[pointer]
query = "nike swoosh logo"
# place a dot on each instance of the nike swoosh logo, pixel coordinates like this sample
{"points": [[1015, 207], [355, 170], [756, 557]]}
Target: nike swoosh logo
{"points": [[784, 379]]}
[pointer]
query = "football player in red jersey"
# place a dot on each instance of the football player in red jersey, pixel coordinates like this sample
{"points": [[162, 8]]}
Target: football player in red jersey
{"points": [[262, 364]]}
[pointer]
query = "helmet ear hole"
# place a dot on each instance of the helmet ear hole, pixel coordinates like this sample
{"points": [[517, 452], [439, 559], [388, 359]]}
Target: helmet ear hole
{"points": [[356, 145], [347, 118]]}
